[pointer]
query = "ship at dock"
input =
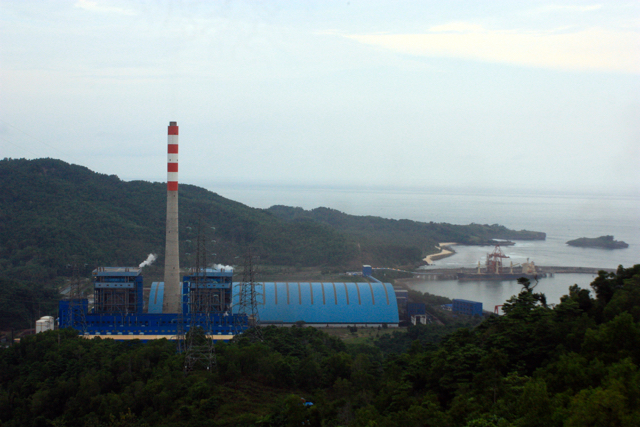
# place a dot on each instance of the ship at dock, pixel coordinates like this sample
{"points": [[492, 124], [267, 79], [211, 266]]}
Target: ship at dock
{"points": [[495, 270]]}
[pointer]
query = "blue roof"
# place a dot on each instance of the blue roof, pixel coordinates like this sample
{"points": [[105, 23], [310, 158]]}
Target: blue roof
{"points": [[325, 303], [466, 301], [156, 297]]}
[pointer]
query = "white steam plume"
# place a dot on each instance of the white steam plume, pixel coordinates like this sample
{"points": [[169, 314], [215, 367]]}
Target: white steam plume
{"points": [[220, 267], [148, 261]]}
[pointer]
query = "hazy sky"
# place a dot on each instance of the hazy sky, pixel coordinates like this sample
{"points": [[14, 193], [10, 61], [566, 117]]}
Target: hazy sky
{"points": [[421, 94]]}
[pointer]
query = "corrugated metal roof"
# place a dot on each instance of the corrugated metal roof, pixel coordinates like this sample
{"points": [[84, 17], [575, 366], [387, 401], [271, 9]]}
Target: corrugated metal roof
{"points": [[325, 302]]}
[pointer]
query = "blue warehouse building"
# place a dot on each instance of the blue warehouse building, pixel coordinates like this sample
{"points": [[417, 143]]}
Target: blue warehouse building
{"points": [[463, 306], [326, 303]]}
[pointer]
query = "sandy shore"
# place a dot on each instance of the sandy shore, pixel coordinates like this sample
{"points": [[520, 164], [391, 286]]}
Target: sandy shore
{"points": [[445, 251]]}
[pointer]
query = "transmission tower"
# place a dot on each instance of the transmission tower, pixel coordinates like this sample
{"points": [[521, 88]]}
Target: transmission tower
{"points": [[248, 300], [75, 315], [199, 347]]}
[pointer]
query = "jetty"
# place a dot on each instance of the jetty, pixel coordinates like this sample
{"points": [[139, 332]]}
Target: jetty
{"points": [[549, 271]]}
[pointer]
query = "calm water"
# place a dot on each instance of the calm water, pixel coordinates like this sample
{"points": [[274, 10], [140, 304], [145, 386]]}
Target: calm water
{"points": [[562, 216]]}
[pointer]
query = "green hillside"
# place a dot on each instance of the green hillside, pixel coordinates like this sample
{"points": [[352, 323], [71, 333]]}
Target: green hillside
{"points": [[386, 233], [51, 211]]}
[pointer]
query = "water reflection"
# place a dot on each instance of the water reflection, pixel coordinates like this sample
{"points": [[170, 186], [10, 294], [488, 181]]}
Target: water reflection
{"points": [[492, 293]]}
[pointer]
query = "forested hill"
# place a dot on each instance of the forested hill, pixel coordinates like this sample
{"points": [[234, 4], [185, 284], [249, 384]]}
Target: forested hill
{"points": [[51, 211], [381, 231]]}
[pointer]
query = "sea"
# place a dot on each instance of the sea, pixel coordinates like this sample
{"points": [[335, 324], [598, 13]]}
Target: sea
{"points": [[562, 216]]}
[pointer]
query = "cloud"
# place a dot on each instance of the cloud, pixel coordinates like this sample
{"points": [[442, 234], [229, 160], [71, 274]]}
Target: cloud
{"points": [[582, 50], [93, 6]]}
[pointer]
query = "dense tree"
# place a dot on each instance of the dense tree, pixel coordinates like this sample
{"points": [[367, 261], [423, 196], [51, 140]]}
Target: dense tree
{"points": [[22, 303], [574, 364]]}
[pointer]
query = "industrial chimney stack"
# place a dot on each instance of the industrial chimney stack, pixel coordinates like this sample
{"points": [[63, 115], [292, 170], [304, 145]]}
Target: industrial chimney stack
{"points": [[172, 290]]}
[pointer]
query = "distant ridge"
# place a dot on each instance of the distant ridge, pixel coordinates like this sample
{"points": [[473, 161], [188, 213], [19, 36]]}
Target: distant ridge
{"points": [[51, 210]]}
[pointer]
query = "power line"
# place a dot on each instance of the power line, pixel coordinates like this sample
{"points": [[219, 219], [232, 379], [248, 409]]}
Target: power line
{"points": [[22, 148], [35, 139]]}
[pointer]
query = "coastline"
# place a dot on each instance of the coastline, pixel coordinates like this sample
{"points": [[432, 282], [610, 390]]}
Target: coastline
{"points": [[445, 251]]}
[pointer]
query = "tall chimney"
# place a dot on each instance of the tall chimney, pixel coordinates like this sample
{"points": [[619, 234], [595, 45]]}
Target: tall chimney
{"points": [[172, 290]]}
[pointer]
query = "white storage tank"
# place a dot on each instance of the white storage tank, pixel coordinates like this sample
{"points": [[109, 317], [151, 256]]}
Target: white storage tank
{"points": [[45, 323]]}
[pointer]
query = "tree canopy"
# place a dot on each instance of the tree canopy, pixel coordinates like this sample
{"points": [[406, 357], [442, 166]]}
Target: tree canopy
{"points": [[572, 364]]}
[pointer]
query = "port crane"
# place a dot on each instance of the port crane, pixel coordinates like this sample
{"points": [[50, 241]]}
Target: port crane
{"points": [[494, 260]]}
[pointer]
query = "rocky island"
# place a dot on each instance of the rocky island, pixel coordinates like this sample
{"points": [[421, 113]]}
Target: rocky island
{"points": [[603, 242]]}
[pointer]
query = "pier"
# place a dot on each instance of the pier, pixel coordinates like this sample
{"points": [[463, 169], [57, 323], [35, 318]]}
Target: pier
{"points": [[567, 270], [452, 274]]}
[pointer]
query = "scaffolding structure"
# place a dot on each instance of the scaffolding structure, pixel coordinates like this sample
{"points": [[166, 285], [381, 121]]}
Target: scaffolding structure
{"points": [[117, 290], [248, 298], [118, 298]]}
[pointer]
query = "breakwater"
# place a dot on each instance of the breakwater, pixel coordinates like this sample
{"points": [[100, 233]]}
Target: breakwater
{"points": [[568, 270]]}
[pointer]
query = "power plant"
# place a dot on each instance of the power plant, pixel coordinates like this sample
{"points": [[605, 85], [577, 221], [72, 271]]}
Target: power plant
{"points": [[207, 298]]}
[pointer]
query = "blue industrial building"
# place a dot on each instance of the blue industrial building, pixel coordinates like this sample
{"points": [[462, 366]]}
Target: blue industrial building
{"points": [[326, 303], [211, 291], [367, 270], [117, 290], [118, 307], [416, 309], [118, 311], [470, 308], [417, 313]]}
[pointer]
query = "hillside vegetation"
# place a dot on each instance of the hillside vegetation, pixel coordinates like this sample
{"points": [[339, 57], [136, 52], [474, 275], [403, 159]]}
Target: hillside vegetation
{"points": [[406, 238], [575, 364], [51, 211]]}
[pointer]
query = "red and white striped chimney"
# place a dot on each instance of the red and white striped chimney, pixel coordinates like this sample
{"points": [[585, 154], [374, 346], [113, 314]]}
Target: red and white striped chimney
{"points": [[172, 289], [172, 157]]}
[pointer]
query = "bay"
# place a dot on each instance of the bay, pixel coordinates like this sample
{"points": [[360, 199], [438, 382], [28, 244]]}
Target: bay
{"points": [[562, 216]]}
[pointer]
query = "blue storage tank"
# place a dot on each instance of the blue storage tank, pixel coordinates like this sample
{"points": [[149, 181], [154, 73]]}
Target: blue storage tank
{"points": [[156, 298]]}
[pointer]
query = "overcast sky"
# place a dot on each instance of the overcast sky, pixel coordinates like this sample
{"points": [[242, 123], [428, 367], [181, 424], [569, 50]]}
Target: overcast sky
{"points": [[419, 94]]}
